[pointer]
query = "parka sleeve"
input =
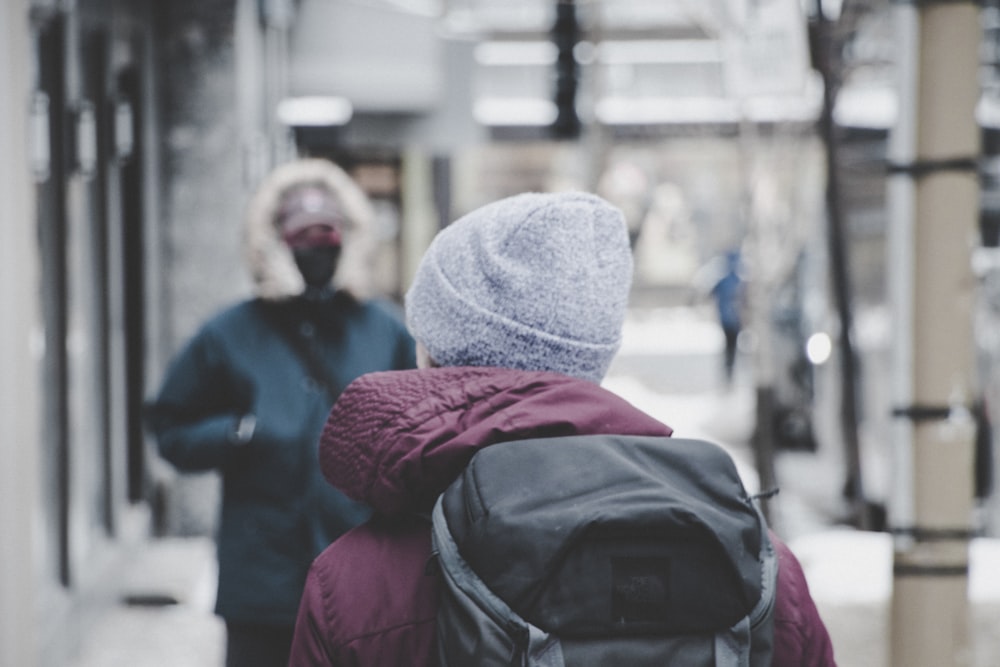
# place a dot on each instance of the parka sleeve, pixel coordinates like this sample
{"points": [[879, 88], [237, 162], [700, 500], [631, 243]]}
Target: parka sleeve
{"points": [[308, 643], [198, 406], [800, 636]]}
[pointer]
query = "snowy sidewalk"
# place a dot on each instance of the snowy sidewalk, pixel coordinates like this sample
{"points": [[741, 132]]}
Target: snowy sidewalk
{"points": [[850, 577], [159, 612]]}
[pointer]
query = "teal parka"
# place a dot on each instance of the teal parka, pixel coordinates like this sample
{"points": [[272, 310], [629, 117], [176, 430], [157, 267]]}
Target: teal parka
{"points": [[277, 511]]}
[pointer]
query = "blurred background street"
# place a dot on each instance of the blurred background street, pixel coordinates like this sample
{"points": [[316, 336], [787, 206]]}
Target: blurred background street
{"points": [[846, 153]]}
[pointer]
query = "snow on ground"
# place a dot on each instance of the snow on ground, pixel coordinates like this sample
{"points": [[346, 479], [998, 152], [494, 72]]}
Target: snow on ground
{"points": [[853, 567], [671, 331]]}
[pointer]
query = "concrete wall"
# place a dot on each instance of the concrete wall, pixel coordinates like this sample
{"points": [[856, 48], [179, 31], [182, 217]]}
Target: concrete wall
{"points": [[19, 391], [203, 199], [203, 196]]}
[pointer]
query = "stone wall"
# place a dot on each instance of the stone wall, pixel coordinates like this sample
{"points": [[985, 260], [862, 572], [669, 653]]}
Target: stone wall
{"points": [[203, 202]]}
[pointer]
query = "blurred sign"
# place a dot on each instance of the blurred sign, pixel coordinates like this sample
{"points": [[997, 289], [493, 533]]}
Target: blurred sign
{"points": [[766, 48], [41, 147], [86, 139]]}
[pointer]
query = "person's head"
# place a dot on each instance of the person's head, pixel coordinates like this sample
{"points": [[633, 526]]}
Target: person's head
{"points": [[309, 225], [531, 282], [310, 221]]}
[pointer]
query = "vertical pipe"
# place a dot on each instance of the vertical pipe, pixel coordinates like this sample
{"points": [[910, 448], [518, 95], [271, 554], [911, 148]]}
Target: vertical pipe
{"points": [[930, 608], [854, 489]]}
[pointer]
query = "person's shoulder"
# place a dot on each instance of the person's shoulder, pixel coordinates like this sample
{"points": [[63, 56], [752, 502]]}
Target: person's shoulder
{"points": [[384, 312], [234, 315], [373, 579], [223, 322], [369, 545], [801, 636], [384, 307]]}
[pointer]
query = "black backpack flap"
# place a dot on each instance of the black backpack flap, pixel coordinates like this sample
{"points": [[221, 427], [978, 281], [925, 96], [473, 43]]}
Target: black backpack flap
{"points": [[610, 535]]}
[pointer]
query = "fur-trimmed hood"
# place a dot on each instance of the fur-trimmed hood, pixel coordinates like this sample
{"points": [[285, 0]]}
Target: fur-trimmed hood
{"points": [[270, 261]]}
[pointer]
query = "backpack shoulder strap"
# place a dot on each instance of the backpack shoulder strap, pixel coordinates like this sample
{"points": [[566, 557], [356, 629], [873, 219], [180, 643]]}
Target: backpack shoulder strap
{"points": [[304, 348]]}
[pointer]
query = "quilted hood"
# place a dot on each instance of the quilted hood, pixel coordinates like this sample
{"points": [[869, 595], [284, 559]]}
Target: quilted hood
{"points": [[396, 439], [271, 263]]}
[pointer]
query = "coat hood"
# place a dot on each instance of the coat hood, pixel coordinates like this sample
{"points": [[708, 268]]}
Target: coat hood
{"points": [[271, 263], [395, 440]]}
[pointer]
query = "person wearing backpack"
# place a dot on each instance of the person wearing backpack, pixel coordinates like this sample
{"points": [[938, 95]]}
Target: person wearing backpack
{"points": [[517, 310]]}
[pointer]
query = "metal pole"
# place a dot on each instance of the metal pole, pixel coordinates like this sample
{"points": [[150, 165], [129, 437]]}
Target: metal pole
{"points": [[933, 176], [566, 34], [854, 489]]}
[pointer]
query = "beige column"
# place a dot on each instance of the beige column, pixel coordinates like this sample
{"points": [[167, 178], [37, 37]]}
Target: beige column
{"points": [[936, 144], [419, 214]]}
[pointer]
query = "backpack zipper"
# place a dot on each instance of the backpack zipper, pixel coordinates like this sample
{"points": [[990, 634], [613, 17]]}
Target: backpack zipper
{"points": [[769, 577]]}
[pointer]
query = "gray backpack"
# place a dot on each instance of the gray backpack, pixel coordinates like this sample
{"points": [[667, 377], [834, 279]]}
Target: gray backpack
{"points": [[603, 550]]}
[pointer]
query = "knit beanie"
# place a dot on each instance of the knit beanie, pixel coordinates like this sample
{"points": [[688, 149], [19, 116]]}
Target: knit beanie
{"points": [[531, 282]]}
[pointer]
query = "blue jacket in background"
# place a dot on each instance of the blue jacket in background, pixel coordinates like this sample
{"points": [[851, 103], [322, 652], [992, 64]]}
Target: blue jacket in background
{"points": [[277, 512]]}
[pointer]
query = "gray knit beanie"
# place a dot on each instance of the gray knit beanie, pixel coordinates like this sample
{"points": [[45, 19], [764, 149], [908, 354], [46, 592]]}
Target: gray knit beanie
{"points": [[533, 282]]}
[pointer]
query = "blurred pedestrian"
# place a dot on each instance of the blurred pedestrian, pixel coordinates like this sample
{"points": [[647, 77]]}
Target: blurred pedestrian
{"points": [[517, 309], [722, 279], [249, 393]]}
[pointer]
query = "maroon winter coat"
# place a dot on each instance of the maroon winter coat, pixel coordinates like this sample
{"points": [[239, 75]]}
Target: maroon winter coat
{"points": [[395, 440]]}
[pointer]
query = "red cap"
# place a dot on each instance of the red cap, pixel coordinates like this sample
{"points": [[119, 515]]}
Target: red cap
{"points": [[310, 217]]}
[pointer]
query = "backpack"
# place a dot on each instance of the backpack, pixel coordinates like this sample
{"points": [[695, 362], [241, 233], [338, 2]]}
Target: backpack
{"points": [[603, 550]]}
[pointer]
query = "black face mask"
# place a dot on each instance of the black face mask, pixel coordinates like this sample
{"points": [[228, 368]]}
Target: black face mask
{"points": [[317, 265]]}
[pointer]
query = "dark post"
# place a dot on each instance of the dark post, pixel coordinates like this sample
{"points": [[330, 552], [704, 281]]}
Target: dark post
{"points": [[566, 35], [827, 64]]}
